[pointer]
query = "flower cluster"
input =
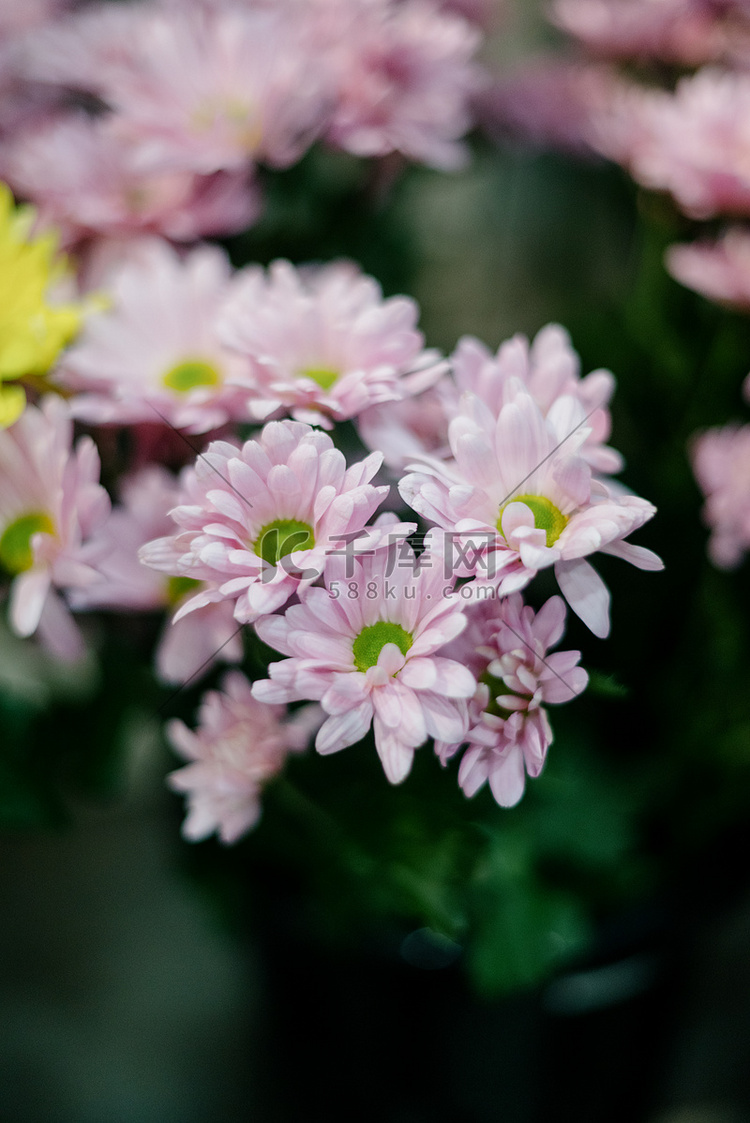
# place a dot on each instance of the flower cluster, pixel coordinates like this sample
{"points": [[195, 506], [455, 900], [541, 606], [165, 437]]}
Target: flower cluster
{"points": [[691, 142], [281, 523], [227, 400], [186, 341], [509, 731], [684, 134], [240, 744], [689, 139], [520, 484], [519, 494], [188, 101], [687, 32]]}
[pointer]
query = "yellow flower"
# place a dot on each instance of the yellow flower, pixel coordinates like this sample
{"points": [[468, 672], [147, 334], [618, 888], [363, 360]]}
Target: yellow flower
{"points": [[33, 330]]}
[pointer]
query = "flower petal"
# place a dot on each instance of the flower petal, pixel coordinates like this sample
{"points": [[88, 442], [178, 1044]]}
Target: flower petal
{"points": [[345, 729], [396, 757], [638, 556], [586, 594], [507, 777]]}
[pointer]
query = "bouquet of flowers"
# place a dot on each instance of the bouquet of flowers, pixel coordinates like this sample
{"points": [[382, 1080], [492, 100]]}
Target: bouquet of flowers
{"points": [[244, 495]]}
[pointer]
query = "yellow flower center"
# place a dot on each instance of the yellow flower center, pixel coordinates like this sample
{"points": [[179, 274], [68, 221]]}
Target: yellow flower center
{"points": [[372, 639], [16, 555], [281, 537], [547, 516], [190, 373], [324, 376], [238, 115]]}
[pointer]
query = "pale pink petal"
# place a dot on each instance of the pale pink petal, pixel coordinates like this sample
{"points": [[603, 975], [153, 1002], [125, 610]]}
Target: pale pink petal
{"points": [[197, 642], [567, 680], [28, 595], [550, 622], [344, 693], [507, 778], [586, 594], [473, 771], [58, 631], [638, 556], [344, 729], [395, 756], [272, 692], [442, 717]]}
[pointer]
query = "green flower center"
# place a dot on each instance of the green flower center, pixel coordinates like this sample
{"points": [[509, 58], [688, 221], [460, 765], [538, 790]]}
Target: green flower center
{"points": [[16, 554], [497, 688], [179, 587], [280, 537], [547, 516], [324, 376], [189, 374], [372, 639]]}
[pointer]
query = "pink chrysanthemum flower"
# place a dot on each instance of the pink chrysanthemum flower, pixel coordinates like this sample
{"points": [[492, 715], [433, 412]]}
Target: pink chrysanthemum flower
{"points": [[86, 180], [322, 343], [721, 463], [365, 648], [404, 78], [196, 641], [548, 369], [154, 354], [718, 270], [50, 503], [240, 744], [213, 87], [506, 647], [519, 497], [194, 85], [693, 143], [259, 521], [689, 32]]}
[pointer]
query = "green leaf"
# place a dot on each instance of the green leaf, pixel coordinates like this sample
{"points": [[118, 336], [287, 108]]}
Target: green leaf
{"points": [[606, 686], [522, 929]]}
